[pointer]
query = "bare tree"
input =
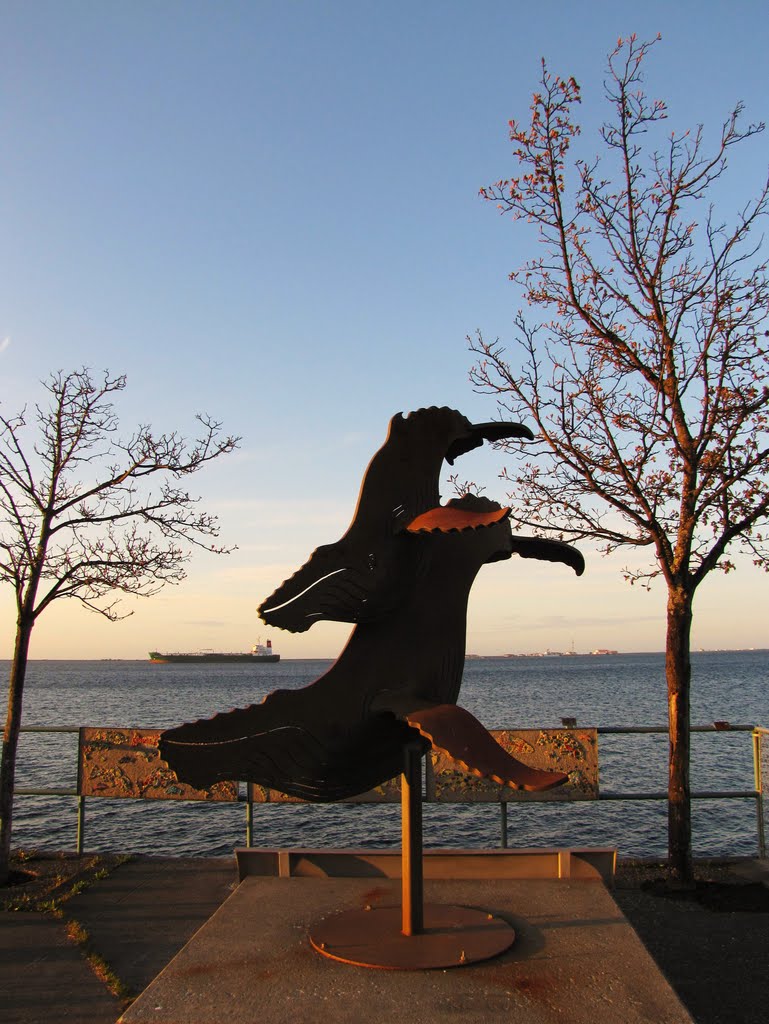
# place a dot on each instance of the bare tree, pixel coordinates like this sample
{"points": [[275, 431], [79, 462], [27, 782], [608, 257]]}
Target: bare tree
{"points": [[646, 370], [80, 519]]}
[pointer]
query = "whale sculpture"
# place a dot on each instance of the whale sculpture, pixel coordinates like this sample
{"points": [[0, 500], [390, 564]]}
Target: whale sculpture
{"points": [[402, 574]]}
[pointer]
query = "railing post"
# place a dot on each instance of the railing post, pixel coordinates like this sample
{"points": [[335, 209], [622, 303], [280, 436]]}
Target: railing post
{"points": [[249, 816], [503, 822], [757, 752], [80, 824]]}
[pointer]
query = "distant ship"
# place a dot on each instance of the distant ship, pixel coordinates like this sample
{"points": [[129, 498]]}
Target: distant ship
{"points": [[259, 654]]}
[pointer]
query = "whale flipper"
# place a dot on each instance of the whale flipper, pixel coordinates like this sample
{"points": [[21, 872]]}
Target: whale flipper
{"points": [[276, 747], [325, 587], [286, 743]]}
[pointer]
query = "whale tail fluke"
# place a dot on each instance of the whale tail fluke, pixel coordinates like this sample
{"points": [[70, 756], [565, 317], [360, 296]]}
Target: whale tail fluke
{"points": [[459, 734]]}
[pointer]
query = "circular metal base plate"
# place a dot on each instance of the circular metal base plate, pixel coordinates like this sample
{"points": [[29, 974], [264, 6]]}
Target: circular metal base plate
{"points": [[452, 937]]}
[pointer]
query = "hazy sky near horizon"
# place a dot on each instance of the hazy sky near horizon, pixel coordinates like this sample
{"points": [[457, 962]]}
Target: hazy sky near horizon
{"points": [[269, 211]]}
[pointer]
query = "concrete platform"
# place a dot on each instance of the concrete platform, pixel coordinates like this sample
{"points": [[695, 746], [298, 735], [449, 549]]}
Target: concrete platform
{"points": [[575, 959]]}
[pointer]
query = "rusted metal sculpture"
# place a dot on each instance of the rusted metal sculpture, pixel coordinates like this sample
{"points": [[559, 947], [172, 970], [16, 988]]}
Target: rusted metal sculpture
{"points": [[402, 573]]}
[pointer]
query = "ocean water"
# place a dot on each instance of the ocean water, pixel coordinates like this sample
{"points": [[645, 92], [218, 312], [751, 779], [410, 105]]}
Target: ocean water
{"points": [[530, 692]]}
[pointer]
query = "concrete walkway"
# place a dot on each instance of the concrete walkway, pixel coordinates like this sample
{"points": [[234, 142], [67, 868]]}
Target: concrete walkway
{"points": [[137, 919], [571, 954], [44, 979]]}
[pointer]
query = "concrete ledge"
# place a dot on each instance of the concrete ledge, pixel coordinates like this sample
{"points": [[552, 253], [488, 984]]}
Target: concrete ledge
{"points": [[590, 864]]}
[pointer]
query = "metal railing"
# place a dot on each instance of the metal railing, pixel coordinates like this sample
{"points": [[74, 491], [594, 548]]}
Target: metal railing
{"points": [[760, 744], [26, 791], [756, 794]]}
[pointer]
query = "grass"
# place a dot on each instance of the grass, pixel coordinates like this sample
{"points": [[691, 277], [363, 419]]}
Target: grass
{"points": [[77, 934]]}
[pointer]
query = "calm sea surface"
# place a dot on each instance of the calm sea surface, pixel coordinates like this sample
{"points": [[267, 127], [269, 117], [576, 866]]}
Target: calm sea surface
{"points": [[610, 690]]}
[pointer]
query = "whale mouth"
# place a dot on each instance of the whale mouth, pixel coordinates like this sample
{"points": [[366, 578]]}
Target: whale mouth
{"points": [[473, 512], [495, 430], [546, 550]]}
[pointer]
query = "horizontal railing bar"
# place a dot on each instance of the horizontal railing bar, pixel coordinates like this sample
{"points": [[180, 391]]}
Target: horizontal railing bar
{"points": [[735, 794], [752, 794], [50, 728], [632, 796], [718, 795], [45, 792], [601, 729], [664, 728]]}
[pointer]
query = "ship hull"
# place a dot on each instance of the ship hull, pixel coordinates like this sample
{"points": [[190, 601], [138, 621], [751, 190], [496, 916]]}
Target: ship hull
{"points": [[212, 658]]}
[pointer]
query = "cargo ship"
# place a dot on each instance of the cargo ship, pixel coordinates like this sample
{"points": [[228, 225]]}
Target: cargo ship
{"points": [[259, 654]]}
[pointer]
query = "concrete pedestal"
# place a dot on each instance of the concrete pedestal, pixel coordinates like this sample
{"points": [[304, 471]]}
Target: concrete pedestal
{"points": [[575, 959]]}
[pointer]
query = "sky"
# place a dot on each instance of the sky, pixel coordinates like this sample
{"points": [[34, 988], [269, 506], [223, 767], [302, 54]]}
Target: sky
{"points": [[269, 212]]}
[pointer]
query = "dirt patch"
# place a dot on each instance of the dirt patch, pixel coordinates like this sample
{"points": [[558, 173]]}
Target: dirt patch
{"points": [[639, 874], [19, 877], [718, 886], [721, 897], [733, 898]]}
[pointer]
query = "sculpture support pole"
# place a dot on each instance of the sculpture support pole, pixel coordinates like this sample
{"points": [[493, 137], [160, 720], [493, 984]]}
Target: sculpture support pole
{"points": [[453, 936], [411, 841]]}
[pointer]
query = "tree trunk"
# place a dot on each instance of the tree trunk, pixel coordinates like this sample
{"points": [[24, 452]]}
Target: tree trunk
{"points": [[678, 671], [11, 740]]}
